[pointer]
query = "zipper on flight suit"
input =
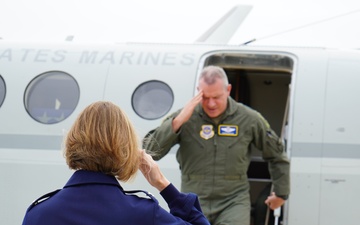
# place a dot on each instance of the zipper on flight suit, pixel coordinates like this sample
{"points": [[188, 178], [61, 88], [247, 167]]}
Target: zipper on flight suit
{"points": [[214, 165]]}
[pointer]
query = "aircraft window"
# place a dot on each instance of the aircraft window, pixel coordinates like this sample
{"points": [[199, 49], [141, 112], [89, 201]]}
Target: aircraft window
{"points": [[51, 97], [2, 90], [152, 99]]}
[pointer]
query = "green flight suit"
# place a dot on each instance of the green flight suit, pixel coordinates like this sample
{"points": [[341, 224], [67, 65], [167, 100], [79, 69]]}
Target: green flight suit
{"points": [[214, 159]]}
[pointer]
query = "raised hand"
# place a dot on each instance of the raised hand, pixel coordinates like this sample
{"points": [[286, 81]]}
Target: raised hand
{"points": [[187, 111], [151, 171]]}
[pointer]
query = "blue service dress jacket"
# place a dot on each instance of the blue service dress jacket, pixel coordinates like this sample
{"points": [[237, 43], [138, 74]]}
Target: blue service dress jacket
{"points": [[92, 198]]}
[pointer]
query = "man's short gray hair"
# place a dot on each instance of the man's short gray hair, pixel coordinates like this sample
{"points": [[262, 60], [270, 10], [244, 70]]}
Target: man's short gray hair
{"points": [[211, 73]]}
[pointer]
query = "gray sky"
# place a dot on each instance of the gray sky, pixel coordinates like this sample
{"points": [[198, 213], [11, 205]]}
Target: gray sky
{"points": [[275, 22]]}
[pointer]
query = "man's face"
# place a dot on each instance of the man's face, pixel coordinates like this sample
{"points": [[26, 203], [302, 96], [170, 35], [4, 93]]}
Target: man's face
{"points": [[215, 97]]}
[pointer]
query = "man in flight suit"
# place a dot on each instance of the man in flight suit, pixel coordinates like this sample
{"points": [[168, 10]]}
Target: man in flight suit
{"points": [[214, 133]]}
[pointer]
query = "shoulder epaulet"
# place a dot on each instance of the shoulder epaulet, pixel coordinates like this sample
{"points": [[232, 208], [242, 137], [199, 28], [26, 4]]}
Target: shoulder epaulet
{"points": [[43, 198], [148, 194]]}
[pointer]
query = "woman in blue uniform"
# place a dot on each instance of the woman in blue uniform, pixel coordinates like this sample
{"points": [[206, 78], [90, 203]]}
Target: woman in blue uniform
{"points": [[102, 148]]}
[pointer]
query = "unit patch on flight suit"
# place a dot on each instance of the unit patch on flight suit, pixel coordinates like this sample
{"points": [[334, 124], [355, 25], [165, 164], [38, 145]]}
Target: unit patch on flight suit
{"points": [[228, 130], [207, 131]]}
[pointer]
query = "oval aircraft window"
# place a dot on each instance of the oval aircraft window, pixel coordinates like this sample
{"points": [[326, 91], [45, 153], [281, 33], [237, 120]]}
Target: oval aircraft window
{"points": [[2, 90], [152, 99], [51, 97]]}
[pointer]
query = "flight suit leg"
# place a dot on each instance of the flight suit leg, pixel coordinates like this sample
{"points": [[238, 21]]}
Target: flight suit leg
{"points": [[237, 211]]}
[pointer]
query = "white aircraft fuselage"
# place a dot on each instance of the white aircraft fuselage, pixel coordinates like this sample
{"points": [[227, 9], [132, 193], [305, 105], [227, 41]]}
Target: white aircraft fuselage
{"points": [[43, 87], [308, 95]]}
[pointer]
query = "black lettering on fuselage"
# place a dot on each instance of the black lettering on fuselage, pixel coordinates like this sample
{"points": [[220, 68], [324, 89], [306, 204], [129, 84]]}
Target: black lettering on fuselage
{"points": [[139, 58], [7, 54], [26, 53], [187, 59], [108, 57], [41, 55], [126, 56], [87, 57], [97, 57], [59, 56], [169, 59], [152, 58]]}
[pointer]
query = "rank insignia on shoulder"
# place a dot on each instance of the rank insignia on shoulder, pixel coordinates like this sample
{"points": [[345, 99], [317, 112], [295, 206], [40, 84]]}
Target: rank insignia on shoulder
{"points": [[207, 131], [140, 192], [42, 199], [228, 130]]}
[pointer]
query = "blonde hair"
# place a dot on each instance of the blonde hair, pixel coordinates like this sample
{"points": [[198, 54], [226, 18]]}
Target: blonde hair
{"points": [[103, 139]]}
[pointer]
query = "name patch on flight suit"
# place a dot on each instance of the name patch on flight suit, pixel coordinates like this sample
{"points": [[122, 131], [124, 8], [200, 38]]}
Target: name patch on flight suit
{"points": [[228, 130], [207, 131]]}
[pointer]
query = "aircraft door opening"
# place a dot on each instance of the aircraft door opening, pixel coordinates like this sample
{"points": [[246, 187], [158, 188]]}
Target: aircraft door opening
{"points": [[261, 82]]}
